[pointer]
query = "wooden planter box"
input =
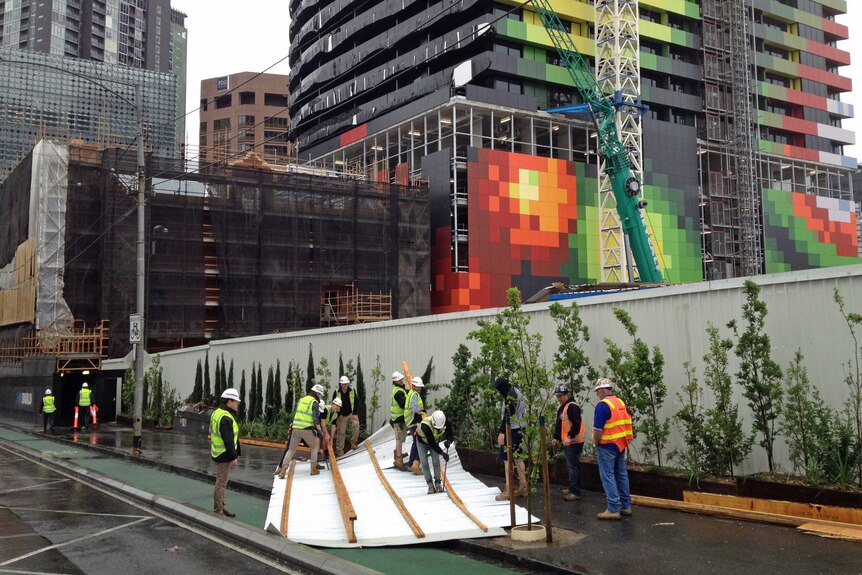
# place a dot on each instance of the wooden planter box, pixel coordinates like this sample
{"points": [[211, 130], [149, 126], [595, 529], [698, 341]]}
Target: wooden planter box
{"points": [[654, 484]]}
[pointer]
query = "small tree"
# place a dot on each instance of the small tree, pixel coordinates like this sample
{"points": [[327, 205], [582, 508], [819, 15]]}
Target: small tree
{"points": [[270, 396], [198, 390], [217, 390], [691, 422], [801, 415], [571, 364], [427, 377], [294, 386], [853, 377], [759, 375], [361, 408], [309, 371], [230, 375], [341, 366], [725, 443], [641, 382], [377, 378], [458, 404], [324, 376], [242, 405], [276, 394], [208, 394]]}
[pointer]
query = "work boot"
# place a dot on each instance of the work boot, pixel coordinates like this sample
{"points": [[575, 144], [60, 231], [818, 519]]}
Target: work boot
{"points": [[504, 496], [571, 497], [277, 470], [314, 469], [608, 515], [399, 463], [416, 468], [438, 487], [431, 490], [626, 511], [282, 472], [522, 491]]}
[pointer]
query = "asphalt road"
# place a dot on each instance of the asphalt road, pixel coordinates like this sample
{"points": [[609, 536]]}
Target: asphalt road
{"points": [[51, 523]]}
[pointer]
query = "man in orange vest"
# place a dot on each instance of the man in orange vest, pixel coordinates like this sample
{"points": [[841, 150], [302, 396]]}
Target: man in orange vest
{"points": [[612, 432], [569, 431]]}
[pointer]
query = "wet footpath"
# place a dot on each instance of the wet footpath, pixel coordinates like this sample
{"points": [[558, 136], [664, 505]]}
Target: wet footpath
{"points": [[175, 474]]}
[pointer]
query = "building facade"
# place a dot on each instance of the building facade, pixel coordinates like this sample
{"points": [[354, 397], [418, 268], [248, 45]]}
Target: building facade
{"points": [[69, 98], [179, 59], [245, 112], [742, 145]]}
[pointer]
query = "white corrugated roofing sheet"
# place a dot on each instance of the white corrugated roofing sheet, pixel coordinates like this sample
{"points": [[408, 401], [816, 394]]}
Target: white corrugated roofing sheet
{"points": [[314, 517]]}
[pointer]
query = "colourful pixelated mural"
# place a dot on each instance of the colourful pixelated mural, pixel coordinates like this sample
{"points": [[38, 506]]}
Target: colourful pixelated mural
{"points": [[534, 221], [803, 231]]}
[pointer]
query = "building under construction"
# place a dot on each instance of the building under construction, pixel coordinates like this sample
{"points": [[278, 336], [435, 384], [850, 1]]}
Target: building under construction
{"points": [[241, 250]]}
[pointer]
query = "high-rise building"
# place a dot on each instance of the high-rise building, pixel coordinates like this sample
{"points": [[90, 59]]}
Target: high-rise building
{"points": [[70, 98], [740, 145], [135, 33], [244, 112], [179, 57]]}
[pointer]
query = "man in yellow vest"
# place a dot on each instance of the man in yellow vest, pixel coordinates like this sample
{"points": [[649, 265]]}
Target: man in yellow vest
{"points": [[429, 434], [85, 400], [414, 413], [612, 433], [47, 410], [396, 418], [224, 445], [307, 427], [569, 431]]}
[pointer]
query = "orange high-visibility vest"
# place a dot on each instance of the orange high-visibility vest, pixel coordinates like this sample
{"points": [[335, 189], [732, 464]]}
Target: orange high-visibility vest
{"points": [[567, 425], [618, 427]]}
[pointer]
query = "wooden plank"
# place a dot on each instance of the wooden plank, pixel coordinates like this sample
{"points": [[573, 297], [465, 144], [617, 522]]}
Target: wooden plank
{"points": [[406, 369], [805, 510], [348, 514], [286, 503], [399, 503], [460, 504], [832, 531]]}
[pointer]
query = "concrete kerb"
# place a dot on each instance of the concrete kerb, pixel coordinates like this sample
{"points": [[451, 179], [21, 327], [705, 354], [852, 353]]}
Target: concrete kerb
{"points": [[509, 557], [313, 560]]}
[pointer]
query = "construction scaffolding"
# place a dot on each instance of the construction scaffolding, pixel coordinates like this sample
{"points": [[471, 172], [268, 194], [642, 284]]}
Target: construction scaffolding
{"points": [[82, 349], [347, 306]]}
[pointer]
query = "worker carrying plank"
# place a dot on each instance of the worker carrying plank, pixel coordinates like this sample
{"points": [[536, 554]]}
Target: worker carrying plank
{"points": [[396, 418]]}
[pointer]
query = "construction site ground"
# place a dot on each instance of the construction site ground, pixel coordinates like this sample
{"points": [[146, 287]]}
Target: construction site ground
{"points": [[175, 475]]}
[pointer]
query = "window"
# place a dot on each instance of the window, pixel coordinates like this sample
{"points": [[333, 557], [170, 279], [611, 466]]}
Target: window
{"points": [[222, 124], [507, 48], [246, 98], [204, 104], [502, 85], [246, 120], [223, 101], [279, 100]]}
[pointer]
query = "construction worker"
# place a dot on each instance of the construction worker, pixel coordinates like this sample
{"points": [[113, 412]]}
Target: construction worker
{"points": [[84, 401], [612, 433], [346, 415], [396, 418], [414, 413], [569, 431], [513, 405], [330, 414], [47, 409], [224, 445], [307, 427], [431, 431]]}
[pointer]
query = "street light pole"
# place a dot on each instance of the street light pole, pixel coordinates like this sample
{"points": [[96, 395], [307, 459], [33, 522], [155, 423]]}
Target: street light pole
{"points": [[141, 254]]}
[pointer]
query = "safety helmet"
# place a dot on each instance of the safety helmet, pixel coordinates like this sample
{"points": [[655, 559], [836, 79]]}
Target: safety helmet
{"points": [[85, 384], [438, 419], [337, 401], [317, 388], [230, 393], [561, 389], [417, 382], [344, 380], [397, 376], [321, 407], [603, 383], [47, 392]]}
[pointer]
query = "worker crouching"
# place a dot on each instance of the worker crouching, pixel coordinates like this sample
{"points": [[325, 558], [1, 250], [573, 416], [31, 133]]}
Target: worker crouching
{"points": [[308, 427], [430, 433]]}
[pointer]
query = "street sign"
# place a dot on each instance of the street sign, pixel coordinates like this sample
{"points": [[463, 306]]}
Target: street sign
{"points": [[135, 328]]}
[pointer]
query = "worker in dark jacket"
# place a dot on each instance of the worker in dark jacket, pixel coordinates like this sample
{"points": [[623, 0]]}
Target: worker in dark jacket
{"points": [[47, 409], [224, 449], [514, 408], [429, 434], [569, 431]]}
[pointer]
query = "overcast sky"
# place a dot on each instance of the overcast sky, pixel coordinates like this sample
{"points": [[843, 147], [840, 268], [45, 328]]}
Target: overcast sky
{"points": [[224, 39]]}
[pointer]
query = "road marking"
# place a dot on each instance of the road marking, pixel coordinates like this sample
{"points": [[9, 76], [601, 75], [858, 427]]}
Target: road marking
{"points": [[20, 535], [20, 572], [40, 510], [73, 541], [37, 486]]}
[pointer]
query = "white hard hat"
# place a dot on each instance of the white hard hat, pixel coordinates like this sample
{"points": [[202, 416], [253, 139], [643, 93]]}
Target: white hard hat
{"points": [[47, 392], [321, 407], [344, 379], [397, 376], [317, 388], [85, 384], [417, 382], [438, 419], [337, 401], [230, 393], [603, 383]]}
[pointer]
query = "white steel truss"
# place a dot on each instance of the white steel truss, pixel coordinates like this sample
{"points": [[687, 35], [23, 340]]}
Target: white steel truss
{"points": [[618, 71]]}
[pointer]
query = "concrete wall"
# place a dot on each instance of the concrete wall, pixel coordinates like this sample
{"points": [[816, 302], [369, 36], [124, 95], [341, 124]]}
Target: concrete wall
{"points": [[802, 314]]}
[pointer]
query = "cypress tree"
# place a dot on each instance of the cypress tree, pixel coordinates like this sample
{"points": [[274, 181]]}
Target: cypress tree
{"points": [[198, 391], [230, 375], [252, 395], [340, 365], [260, 396], [217, 387], [309, 378], [242, 406], [270, 396], [207, 394], [361, 409], [276, 395]]}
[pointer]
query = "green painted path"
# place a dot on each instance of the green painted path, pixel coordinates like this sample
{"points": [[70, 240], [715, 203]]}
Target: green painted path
{"points": [[416, 560]]}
